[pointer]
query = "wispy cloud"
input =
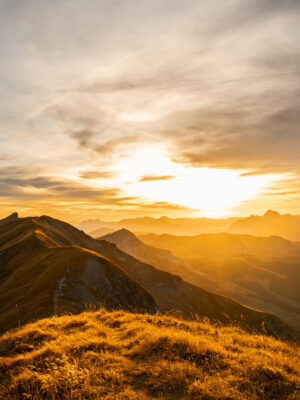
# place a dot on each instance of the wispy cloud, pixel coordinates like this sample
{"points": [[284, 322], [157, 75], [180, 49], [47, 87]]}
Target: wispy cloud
{"points": [[148, 178]]}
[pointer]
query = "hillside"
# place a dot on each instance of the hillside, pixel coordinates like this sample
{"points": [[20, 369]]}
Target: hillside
{"points": [[263, 273], [43, 274], [130, 244], [50, 267], [123, 356], [271, 223]]}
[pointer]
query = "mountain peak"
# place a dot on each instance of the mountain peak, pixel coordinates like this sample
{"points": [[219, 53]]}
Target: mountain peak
{"points": [[125, 231], [12, 217], [271, 213], [121, 233]]}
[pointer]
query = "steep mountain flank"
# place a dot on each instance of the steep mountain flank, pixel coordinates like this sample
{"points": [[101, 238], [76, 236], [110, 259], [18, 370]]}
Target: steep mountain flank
{"points": [[42, 273]]}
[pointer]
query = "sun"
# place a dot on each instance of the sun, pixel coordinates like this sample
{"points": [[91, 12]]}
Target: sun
{"points": [[212, 191]]}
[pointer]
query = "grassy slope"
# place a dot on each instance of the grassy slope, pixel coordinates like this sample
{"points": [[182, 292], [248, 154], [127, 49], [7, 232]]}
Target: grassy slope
{"points": [[119, 355]]}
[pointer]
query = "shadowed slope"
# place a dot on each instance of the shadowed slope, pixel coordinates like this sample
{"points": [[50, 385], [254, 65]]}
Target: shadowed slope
{"points": [[43, 273]]}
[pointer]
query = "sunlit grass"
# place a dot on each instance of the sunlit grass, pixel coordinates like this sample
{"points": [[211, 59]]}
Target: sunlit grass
{"points": [[119, 355]]}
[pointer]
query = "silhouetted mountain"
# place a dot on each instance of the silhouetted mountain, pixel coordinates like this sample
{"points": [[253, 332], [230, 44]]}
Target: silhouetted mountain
{"points": [[49, 266], [12, 217], [91, 225], [130, 244], [271, 223], [223, 245]]}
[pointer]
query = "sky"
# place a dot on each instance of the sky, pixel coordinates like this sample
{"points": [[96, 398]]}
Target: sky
{"points": [[122, 108]]}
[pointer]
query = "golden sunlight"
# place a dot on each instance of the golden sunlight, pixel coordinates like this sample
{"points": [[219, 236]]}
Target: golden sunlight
{"points": [[150, 174]]}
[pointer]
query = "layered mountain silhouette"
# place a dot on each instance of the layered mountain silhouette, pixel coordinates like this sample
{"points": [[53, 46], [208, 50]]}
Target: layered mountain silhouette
{"points": [[174, 226], [261, 272], [271, 223], [223, 245], [130, 244], [49, 267]]}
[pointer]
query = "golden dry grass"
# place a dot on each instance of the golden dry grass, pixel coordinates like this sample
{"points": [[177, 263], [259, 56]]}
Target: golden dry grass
{"points": [[124, 356]]}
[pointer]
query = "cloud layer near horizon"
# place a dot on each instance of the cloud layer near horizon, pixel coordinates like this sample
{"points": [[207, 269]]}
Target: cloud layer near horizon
{"points": [[85, 84]]}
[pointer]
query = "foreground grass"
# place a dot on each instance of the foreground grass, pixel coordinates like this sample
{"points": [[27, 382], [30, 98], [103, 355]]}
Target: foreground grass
{"points": [[123, 356]]}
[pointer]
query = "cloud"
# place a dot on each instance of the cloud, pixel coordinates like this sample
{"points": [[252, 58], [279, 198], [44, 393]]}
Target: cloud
{"points": [[92, 174], [49, 187], [240, 136], [83, 137], [276, 5], [156, 178], [111, 146], [237, 98], [288, 193], [164, 205]]}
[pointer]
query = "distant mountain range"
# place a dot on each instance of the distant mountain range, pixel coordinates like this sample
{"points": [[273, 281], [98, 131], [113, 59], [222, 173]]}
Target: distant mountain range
{"points": [[49, 267], [174, 226], [270, 224]]}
